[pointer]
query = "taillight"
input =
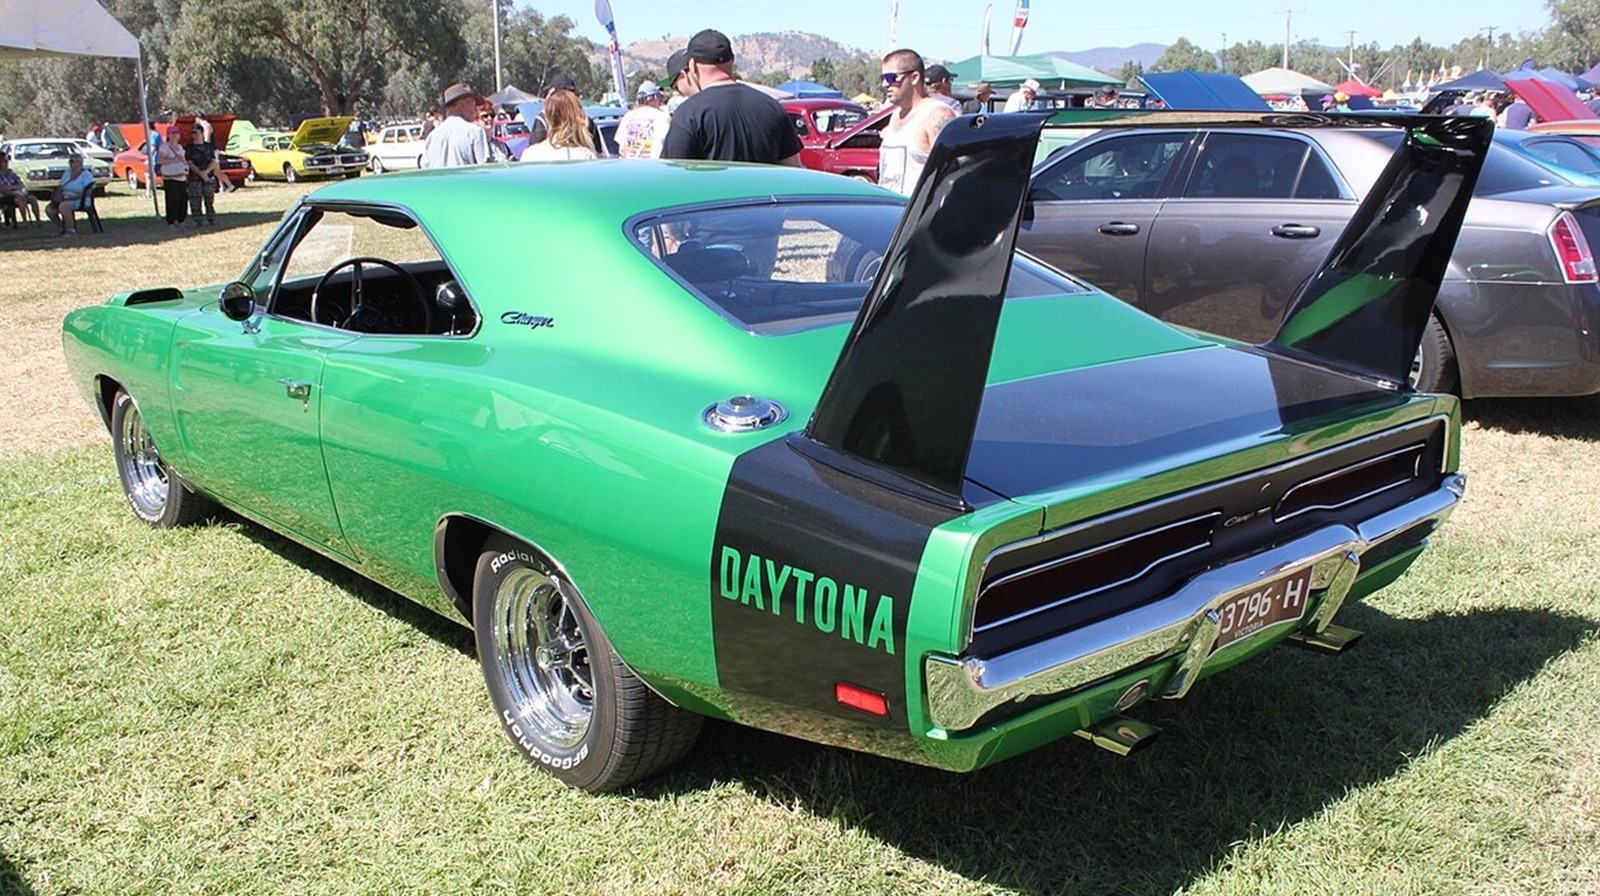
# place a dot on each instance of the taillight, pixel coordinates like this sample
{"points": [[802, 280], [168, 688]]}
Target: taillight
{"points": [[1572, 249]]}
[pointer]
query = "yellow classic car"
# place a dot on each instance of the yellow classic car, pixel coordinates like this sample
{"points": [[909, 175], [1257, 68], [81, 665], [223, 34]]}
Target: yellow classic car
{"points": [[313, 150]]}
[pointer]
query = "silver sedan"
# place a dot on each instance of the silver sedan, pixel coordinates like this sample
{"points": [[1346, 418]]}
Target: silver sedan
{"points": [[1217, 229]]}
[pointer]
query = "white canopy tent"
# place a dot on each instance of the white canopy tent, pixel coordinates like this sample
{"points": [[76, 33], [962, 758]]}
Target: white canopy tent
{"points": [[64, 28]]}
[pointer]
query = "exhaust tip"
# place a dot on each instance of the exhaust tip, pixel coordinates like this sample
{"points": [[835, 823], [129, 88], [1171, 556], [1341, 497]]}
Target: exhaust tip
{"points": [[1120, 735]]}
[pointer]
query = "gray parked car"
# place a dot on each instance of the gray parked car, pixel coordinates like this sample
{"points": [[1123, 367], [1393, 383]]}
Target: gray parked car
{"points": [[1217, 228]]}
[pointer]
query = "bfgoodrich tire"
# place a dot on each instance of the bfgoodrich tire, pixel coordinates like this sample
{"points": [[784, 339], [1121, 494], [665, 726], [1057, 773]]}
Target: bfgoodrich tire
{"points": [[155, 494], [564, 697]]}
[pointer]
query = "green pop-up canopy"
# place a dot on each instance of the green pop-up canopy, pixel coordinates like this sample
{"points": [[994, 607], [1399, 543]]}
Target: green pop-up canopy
{"points": [[1010, 71]]}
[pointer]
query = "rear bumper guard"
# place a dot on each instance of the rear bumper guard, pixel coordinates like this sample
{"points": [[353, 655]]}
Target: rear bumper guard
{"points": [[962, 690]]}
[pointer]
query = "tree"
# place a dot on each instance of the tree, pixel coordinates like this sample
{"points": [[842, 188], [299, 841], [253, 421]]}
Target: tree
{"points": [[1183, 56], [823, 72], [342, 47], [1574, 34]]}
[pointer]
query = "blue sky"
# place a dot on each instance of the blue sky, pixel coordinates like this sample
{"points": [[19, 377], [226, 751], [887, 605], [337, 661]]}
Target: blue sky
{"points": [[951, 29]]}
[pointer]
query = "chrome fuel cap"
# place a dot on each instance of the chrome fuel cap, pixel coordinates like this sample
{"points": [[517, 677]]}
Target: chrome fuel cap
{"points": [[744, 413]]}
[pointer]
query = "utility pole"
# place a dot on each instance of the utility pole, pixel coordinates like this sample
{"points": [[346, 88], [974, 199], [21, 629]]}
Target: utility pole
{"points": [[1352, 51], [1287, 15], [494, 12]]}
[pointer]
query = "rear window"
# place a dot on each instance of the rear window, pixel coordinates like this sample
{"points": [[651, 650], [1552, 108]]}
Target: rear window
{"points": [[1503, 170], [776, 268]]}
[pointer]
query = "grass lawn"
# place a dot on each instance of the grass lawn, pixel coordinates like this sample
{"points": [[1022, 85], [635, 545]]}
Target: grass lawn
{"points": [[216, 710]]}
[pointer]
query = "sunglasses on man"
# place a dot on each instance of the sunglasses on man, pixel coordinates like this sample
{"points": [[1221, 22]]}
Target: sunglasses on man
{"points": [[892, 78]]}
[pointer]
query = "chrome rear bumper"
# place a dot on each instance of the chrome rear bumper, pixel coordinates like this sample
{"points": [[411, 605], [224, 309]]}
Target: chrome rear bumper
{"points": [[962, 690]]}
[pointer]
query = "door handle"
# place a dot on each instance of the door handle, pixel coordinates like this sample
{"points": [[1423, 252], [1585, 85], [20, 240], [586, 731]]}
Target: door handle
{"points": [[1297, 231], [1117, 228], [299, 390]]}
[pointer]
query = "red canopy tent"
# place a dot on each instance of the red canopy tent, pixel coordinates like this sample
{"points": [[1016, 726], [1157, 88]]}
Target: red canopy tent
{"points": [[1353, 87]]}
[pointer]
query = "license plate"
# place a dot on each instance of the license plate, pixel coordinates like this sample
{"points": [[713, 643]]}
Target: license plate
{"points": [[1283, 600]]}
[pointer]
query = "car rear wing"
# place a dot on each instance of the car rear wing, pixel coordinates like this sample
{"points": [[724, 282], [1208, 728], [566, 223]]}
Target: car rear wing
{"points": [[901, 406]]}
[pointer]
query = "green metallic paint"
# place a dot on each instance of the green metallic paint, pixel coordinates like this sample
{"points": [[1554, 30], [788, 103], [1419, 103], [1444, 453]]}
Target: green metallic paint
{"points": [[584, 438]]}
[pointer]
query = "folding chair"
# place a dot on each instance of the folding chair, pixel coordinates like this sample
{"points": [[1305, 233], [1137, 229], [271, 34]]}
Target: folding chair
{"points": [[86, 205]]}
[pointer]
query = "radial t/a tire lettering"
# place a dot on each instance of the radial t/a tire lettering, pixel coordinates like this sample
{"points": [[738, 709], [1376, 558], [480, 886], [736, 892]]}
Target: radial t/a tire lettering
{"points": [[156, 495], [563, 695]]}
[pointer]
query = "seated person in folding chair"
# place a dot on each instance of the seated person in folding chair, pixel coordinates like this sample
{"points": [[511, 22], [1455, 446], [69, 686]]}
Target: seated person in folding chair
{"points": [[75, 193], [14, 194]]}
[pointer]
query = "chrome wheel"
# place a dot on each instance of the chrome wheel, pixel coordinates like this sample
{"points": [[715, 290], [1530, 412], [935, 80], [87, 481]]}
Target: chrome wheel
{"points": [[143, 475], [542, 651], [133, 180]]}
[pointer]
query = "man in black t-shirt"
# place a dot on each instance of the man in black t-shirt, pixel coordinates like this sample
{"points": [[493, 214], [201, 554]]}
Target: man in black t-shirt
{"points": [[725, 120]]}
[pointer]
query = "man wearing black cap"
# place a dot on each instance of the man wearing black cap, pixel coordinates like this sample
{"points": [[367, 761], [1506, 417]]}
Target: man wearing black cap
{"points": [[458, 140], [723, 119], [937, 77]]}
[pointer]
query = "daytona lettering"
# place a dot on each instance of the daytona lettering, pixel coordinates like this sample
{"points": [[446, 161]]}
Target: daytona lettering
{"points": [[807, 598]]}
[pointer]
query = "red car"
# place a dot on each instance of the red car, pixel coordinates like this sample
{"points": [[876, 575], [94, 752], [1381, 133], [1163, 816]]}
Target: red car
{"points": [[818, 119], [852, 152], [132, 166]]}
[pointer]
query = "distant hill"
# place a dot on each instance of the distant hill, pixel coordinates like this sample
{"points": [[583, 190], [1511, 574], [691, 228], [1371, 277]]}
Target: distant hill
{"points": [[1112, 59], [789, 51], [794, 51]]}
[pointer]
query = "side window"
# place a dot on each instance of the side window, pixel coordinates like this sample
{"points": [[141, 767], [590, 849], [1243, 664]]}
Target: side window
{"points": [[1130, 167], [1566, 155], [366, 270], [1247, 166], [389, 137], [1317, 181]]}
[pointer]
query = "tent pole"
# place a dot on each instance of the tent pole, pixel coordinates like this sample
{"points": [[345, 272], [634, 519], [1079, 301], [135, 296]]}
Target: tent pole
{"points": [[144, 122]]}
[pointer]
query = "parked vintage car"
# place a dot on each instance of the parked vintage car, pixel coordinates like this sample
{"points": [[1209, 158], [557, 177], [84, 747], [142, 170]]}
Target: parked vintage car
{"points": [[852, 152], [312, 151], [816, 119], [1216, 228], [40, 162], [132, 166], [1573, 157], [398, 147], [817, 459]]}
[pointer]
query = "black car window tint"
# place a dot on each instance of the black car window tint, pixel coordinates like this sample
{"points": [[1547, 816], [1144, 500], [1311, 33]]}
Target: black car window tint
{"points": [[1131, 167], [1317, 180], [1246, 166]]}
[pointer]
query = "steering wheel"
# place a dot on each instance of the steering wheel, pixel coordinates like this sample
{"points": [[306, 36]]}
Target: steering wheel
{"points": [[362, 317]]}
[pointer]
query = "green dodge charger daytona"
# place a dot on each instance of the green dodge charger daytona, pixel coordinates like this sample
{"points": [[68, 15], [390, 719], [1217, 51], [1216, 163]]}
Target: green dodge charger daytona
{"points": [[769, 445]]}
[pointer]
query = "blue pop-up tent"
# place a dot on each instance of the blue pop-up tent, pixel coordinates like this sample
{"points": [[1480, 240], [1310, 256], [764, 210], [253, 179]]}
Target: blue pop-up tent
{"points": [[1482, 79], [809, 90]]}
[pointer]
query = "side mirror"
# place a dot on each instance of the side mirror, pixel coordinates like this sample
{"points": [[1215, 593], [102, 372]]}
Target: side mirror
{"points": [[238, 301], [450, 297]]}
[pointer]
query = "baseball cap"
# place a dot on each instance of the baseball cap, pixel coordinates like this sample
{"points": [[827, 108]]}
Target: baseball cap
{"points": [[647, 89], [936, 73], [456, 92], [676, 63], [1029, 84], [561, 81], [710, 46]]}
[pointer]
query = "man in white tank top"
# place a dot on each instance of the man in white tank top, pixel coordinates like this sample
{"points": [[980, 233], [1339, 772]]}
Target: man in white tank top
{"points": [[914, 124]]}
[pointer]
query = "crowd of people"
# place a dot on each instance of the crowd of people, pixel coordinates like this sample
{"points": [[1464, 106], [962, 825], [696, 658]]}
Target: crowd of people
{"points": [[713, 116]]}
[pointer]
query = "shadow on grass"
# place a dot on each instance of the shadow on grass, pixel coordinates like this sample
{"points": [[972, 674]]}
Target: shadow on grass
{"points": [[1262, 746], [1572, 418], [11, 882], [135, 231], [447, 632]]}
